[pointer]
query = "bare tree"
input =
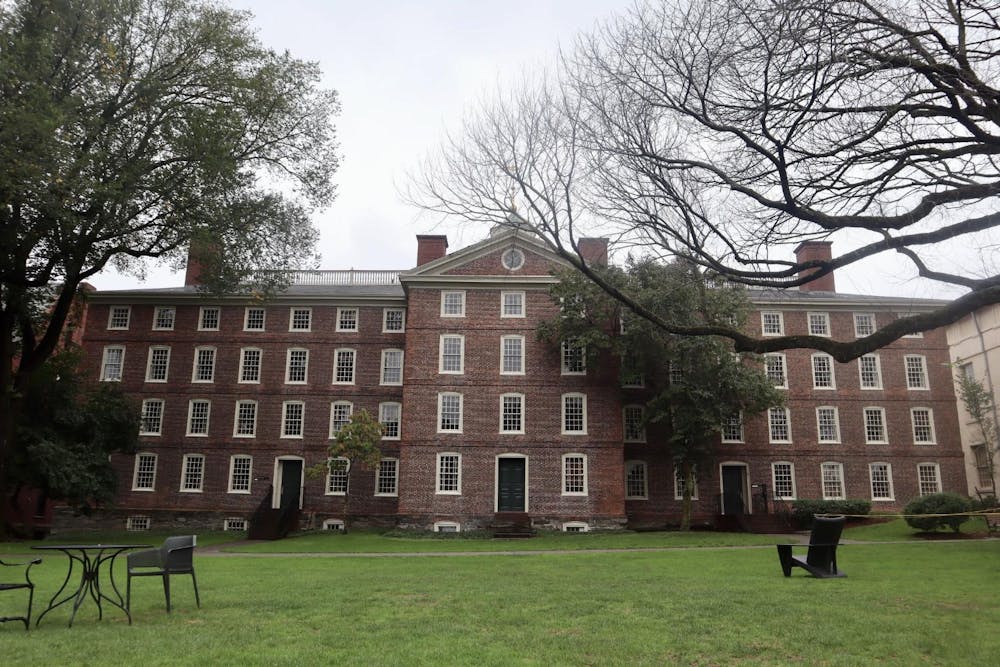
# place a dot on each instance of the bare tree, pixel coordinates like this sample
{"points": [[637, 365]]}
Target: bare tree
{"points": [[731, 130]]}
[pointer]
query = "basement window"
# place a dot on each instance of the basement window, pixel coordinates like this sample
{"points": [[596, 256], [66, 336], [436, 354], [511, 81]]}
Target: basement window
{"points": [[235, 523], [137, 523], [334, 524], [576, 527], [447, 527]]}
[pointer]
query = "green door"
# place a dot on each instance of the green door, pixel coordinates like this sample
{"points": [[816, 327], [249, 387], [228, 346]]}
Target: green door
{"points": [[510, 480], [291, 483]]}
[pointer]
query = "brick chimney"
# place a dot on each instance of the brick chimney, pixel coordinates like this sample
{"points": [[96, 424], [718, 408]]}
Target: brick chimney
{"points": [[815, 251], [199, 259], [593, 250], [431, 247]]}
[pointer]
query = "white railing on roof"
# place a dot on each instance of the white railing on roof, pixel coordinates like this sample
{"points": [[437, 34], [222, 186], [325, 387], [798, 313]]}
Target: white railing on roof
{"points": [[344, 277]]}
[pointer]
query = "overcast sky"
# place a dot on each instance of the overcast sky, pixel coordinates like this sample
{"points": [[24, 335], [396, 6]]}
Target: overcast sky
{"points": [[406, 70]]}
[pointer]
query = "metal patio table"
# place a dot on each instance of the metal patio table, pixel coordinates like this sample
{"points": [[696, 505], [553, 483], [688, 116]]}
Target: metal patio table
{"points": [[90, 557]]}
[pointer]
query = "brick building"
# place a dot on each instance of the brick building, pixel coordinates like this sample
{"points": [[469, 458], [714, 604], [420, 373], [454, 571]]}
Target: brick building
{"points": [[240, 397]]}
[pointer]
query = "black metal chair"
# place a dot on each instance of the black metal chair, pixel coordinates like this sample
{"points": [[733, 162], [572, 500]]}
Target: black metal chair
{"points": [[821, 559], [175, 556], [19, 585]]}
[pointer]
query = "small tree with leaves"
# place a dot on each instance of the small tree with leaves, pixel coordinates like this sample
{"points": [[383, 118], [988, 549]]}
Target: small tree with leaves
{"points": [[357, 442], [978, 402], [695, 383]]}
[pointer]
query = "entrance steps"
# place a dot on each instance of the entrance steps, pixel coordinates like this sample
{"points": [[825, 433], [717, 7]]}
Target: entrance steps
{"points": [[512, 524]]}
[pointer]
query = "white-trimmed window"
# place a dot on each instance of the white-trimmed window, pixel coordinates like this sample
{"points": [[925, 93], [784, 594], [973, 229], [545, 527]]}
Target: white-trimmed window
{"points": [[387, 477], [880, 475], [389, 415], [144, 475], [300, 319], [819, 324], [675, 372], [511, 304], [393, 320], [347, 319], [822, 370], [984, 468], [234, 524], [633, 426], [864, 324], [512, 355], [151, 422], [512, 413], [208, 318], [254, 319], [833, 480], [447, 527], [574, 414], [118, 317], [631, 373], [732, 428], [199, 416], [340, 416], [449, 473], [112, 363], [772, 323], [452, 354], [875, 431], [574, 358], [779, 425], [449, 412], [870, 371], [204, 365], [250, 358], [192, 473], [164, 317], [296, 366], [512, 259], [136, 523], [916, 371], [635, 480], [333, 524], [575, 527], [158, 363], [292, 419], [827, 424], [928, 478], [392, 367], [453, 303], [774, 368], [783, 480], [240, 467], [245, 420], [343, 365], [574, 474], [336, 479], [680, 483], [923, 426]]}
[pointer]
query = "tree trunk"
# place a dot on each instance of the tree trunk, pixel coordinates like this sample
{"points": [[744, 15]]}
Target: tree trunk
{"points": [[688, 475]]}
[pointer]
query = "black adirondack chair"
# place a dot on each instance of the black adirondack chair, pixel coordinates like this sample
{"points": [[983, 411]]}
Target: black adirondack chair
{"points": [[175, 556], [821, 559], [20, 585]]}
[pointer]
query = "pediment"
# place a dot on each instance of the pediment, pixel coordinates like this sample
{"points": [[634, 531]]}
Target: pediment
{"points": [[507, 254]]}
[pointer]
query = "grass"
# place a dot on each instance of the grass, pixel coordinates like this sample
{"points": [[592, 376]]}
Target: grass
{"points": [[914, 603]]}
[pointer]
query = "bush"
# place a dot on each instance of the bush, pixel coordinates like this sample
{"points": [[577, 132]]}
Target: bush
{"points": [[803, 510], [938, 503]]}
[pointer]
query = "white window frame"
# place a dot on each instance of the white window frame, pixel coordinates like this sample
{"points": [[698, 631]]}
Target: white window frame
{"points": [[246, 318], [585, 473], [503, 343], [640, 435], [444, 299], [836, 425], [864, 424], [234, 524], [774, 479], [385, 320], [857, 331], [446, 526], [380, 474], [778, 357], [924, 379], [157, 311], [461, 354], [520, 398], [771, 424], [819, 357], [202, 310], [386, 354], [930, 425], [114, 312], [564, 349], [575, 527], [336, 365], [634, 465], [583, 406], [457, 491], [333, 524], [186, 462], [232, 474], [821, 318], [679, 488], [149, 364], [236, 419], [383, 420], [742, 435], [461, 411], [194, 366], [357, 319], [146, 403], [104, 363], [333, 413], [285, 405], [243, 361], [190, 418], [329, 487], [839, 468], [288, 366], [878, 372], [871, 481], [920, 480], [503, 304], [138, 468], [780, 316], [138, 523], [291, 319]]}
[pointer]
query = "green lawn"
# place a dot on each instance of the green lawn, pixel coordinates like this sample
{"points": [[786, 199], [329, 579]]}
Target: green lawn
{"points": [[914, 603]]}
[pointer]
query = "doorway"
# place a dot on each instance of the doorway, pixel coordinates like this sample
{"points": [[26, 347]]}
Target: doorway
{"points": [[734, 489], [511, 484], [288, 484]]}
